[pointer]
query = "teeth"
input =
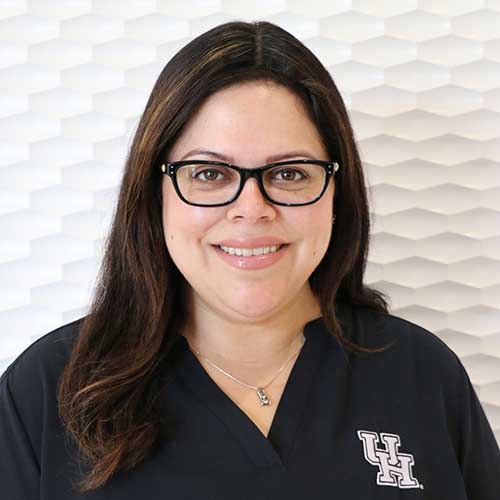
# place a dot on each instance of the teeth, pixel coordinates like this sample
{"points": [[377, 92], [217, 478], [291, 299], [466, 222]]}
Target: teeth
{"points": [[247, 252]]}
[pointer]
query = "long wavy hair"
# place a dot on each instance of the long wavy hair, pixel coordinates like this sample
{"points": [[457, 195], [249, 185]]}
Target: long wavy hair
{"points": [[108, 394]]}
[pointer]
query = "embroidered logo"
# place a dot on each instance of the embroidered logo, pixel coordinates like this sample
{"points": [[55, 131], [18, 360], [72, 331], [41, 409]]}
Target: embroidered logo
{"points": [[395, 468]]}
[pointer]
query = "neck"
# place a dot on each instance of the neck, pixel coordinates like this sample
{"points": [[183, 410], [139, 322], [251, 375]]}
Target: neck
{"points": [[250, 344]]}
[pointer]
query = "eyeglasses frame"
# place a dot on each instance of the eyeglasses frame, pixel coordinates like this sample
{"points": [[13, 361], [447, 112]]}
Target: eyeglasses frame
{"points": [[170, 169]]}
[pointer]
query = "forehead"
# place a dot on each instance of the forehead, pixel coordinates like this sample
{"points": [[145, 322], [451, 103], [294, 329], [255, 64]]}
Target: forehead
{"points": [[252, 99], [252, 117]]}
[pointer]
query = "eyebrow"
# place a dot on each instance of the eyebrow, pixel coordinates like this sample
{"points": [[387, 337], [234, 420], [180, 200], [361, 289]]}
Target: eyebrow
{"points": [[230, 159]]}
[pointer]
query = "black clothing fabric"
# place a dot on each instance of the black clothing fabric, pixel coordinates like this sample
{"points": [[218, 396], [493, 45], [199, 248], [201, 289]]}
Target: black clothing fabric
{"points": [[402, 424]]}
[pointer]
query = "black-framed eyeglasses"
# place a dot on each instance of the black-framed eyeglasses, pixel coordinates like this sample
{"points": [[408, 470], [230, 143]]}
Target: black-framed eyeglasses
{"points": [[205, 183]]}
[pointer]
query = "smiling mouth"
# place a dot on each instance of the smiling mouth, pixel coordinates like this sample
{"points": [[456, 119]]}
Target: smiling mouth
{"points": [[280, 247]]}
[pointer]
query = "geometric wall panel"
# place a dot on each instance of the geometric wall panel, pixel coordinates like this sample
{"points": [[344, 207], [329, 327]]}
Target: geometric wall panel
{"points": [[421, 81]]}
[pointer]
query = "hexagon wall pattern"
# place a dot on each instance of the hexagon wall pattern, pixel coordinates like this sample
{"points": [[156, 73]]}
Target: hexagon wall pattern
{"points": [[421, 80]]}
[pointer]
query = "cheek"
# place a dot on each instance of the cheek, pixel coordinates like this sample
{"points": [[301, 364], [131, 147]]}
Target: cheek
{"points": [[174, 217], [317, 231], [184, 224]]}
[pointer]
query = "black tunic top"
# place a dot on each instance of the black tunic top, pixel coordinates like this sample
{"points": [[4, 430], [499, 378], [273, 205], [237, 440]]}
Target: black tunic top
{"points": [[402, 424]]}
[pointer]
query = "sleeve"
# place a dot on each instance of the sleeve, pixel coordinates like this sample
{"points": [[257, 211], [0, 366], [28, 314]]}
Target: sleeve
{"points": [[19, 467], [479, 454]]}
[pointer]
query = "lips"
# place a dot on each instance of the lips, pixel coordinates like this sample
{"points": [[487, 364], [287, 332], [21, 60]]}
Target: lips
{"points": [[253, 262]]}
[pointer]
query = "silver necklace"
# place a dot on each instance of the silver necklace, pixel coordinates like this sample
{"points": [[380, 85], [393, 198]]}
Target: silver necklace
{"points": [[264, 400]]}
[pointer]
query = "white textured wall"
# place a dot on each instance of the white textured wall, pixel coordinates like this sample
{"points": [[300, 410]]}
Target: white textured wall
{"points": [[421, 80]]}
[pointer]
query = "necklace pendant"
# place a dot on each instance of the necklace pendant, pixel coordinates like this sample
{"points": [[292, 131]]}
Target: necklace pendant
{"points": [[262, 397]]}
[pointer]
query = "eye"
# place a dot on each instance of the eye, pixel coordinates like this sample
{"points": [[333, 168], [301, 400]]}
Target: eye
{"points": [[211, 172], [208, 173], [290, 174]]}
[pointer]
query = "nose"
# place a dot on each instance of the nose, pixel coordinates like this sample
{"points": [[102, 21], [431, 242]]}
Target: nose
{"points": [[251, 202]]}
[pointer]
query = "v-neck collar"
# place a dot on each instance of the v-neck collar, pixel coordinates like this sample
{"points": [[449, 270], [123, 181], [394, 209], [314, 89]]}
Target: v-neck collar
{"points": [[276, 449]]}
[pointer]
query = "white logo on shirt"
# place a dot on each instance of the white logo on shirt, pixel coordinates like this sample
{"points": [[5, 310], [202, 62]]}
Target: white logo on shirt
{"points": [[394, 468]]}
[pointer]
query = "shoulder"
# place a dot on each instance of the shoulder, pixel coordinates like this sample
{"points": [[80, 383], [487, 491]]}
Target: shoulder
{"points": [[42, 362], [410, 345], [28, 394]]}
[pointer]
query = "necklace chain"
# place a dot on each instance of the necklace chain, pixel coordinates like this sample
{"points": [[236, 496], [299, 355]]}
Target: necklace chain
{"points": [[260, 389]]}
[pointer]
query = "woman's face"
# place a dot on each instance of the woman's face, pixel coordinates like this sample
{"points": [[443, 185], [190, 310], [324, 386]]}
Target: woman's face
{"points": [[248, 123]]}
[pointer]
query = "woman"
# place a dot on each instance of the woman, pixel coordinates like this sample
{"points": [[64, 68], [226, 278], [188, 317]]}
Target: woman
{"points": [[232, 349]]}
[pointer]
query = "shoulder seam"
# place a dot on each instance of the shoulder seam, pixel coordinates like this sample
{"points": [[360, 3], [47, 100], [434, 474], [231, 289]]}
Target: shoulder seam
{"points": [[427, 332], [18, 357]]}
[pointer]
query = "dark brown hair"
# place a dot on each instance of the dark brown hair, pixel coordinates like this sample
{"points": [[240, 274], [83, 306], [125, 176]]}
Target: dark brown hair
{"points": [[108, 394]]}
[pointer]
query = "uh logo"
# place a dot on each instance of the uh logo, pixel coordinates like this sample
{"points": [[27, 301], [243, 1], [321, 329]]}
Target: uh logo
{"points": [[395, 468]]}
